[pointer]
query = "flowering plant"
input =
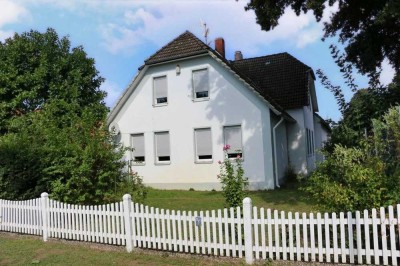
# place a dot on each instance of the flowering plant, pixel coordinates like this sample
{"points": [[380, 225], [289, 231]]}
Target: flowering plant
{"points": [[234, 184]]}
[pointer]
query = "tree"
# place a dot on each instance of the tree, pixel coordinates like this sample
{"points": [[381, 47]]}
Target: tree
{"points": [[343, 180], [369, 30], [365, 105], [37, 67], [53, 131]]}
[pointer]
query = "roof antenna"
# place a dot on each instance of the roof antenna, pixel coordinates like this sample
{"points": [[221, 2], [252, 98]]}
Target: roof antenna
{"points": [[205, 31]]}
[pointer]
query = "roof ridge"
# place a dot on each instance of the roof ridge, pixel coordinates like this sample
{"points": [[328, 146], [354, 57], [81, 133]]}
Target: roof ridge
{"points": [[188, 34]]}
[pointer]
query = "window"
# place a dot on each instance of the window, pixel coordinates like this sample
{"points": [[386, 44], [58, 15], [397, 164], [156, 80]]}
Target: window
{"points": [[200, 84], [233, 137], [137, 143], [160, 90], [203, 144], [310, 142], [162, 147]]}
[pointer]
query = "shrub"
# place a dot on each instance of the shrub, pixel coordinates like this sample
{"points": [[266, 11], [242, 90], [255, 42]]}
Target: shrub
{"points": [[361, 177], [234, 184]]}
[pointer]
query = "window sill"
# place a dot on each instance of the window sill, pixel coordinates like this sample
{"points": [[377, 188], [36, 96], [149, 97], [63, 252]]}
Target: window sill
{"points": [[138, 163], [204, 162], [162, 163], [160, 104], [201, 99]]}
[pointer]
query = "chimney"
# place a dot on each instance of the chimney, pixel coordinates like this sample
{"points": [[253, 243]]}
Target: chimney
{"points": [[220, 46], [238, 55]]}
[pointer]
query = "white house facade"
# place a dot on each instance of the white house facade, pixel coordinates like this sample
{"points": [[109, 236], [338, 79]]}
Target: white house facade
{"points": [[187, 101]]}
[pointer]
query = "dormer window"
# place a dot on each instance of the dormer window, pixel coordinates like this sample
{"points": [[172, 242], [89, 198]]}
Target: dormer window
{"points": [[200, 84], [160, 91]]}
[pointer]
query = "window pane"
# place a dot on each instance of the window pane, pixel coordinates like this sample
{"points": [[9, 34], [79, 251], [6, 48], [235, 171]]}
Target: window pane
{"points": [[162, 144], [233, 137], [200, 83], [138, 145], [203, 143], [160, 90]]}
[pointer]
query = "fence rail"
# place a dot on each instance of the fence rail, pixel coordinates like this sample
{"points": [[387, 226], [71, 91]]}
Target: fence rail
{"points": [[368, 237]]}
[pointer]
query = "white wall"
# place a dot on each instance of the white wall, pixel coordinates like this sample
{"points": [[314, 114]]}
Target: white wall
{"points": [[230, 104], [281, 148], [321, 136]]}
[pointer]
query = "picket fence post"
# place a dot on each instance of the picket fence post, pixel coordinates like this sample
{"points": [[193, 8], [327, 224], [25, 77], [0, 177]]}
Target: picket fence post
{"points": [[248, 234], [45, 203], [128, 221]]}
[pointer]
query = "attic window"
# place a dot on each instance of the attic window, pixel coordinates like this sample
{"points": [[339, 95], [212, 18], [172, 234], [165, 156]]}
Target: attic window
{"points": [[200, 84], [160, 91]]}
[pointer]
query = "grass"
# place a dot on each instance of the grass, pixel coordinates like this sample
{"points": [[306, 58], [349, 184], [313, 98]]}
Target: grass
{"points": [[285, 199], [29, 250]]}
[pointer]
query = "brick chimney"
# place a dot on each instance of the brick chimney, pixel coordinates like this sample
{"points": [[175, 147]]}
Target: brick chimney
{"points": [[238, 55], [220, 46]]}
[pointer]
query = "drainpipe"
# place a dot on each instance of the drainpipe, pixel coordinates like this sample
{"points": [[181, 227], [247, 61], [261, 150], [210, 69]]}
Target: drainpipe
{"points": [[274, 143]]}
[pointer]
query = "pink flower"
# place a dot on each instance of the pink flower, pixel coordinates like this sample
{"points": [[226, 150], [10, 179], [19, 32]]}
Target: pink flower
{"points": [[227, 147], [238, 156], [219, 162]]}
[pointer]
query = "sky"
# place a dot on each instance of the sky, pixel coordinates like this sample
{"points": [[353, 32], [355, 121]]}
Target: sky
{"points": [[121, 34]]}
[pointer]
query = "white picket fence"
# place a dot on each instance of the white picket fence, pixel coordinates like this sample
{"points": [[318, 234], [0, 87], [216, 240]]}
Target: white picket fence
{"points": [[364, 238]]}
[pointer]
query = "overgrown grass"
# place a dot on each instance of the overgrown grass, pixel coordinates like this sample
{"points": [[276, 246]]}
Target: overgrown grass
{"points": [[285, 199]]}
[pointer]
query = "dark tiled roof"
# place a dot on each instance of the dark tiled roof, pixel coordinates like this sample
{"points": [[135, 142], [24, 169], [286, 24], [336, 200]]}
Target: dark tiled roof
{"points": [[281, 79], [184, 45], [280, 76]]}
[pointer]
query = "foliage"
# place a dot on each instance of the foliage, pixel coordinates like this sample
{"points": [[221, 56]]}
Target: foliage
{"points": [[72, 157], [365, 105], [37, 67], [234, 184], [361, 177], [53, 134], [368, 30]]}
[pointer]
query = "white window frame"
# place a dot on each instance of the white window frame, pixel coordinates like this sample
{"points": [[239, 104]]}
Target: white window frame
{"points": [[144, 150], [155, 104], [195, 98], [196, 156], [156, 159], [233, 155]]}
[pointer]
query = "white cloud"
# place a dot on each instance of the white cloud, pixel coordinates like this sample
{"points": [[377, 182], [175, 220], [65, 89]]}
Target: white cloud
{"points": [[10, 12], [158, 22], [113, 92]]}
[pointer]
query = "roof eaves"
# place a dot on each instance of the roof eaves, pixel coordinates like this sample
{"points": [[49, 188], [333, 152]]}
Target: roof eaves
{"points": [[125, 95]]}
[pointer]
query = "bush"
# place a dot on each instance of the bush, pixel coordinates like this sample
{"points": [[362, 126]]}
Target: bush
{"points": [[361, 178], [234, 184]]}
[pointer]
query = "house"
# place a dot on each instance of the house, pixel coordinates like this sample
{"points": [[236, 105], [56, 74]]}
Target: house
{"points": [[187, 101]]}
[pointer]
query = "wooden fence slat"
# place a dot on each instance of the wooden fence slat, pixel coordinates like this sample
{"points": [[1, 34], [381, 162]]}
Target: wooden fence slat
{"points": [[392, 236], [208, 228], [270, 246], [319, 237], [255, 229], [305, 237], [220, 239], [263, 247], [202, 233], [383, 236], [366, 238], [375, 236], [233, 234], [350, 235], [335, 239], [239, 227], [276, 225], [358, 237], [283, 226], [298, 239], [290, 226]]}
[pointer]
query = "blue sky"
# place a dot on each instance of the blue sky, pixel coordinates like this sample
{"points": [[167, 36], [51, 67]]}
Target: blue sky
{"points": [[120, 35]]}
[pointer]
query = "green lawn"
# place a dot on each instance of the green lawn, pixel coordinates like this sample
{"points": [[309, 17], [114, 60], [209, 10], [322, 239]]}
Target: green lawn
{"points": [[28, 250], [285, 199]]}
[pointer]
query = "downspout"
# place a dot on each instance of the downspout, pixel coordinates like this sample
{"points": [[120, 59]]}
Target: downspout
{"points": [[275, 156]]}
